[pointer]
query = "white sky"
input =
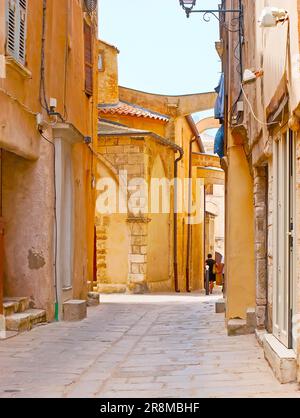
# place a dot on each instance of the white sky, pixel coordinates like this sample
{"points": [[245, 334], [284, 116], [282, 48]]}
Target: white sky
{"points": [[161, 51]]}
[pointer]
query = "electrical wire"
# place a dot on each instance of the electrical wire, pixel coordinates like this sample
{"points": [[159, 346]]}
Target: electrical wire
{"points": [[43, 98], [252, 111], [46, 139], [26, 108]]}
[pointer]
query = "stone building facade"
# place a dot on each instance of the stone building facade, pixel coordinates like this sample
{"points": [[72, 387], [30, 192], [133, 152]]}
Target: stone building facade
{"points": [[263, 139], [149, 137], [133, 237]]}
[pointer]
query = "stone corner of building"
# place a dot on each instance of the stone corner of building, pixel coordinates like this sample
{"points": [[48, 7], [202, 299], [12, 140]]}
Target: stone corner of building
{"points": [[282, 360]]}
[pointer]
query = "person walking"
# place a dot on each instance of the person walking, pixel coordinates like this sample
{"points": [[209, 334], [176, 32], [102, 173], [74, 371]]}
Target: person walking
{"points": [[220, 267], [211, 263]]}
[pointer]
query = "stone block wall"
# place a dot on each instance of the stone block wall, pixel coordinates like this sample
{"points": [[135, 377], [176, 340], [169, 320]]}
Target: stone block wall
{"points": [[137, 280], [102, 224], [270, 246], [260, 205], [128, 155], [124, 154], [137, 158]]}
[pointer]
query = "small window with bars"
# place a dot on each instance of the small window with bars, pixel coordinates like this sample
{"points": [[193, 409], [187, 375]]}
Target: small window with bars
{"points": [[16, 27]]}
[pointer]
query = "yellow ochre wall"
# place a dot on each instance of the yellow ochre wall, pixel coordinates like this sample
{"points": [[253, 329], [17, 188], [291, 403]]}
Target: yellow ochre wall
{"points": [[239, 262], [160, 229], [108, 78], [160, 273]]}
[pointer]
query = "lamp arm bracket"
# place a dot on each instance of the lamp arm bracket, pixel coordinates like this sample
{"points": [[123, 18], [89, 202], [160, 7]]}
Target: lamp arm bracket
{"points": [[234, 24]]}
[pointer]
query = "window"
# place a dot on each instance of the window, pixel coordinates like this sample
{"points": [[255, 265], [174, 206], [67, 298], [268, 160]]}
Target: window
{"points": [[100, 62], [88, 56], [16, 27]]}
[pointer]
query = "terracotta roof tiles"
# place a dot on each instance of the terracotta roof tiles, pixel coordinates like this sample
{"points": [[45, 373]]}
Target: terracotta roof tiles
{"points": [[128, 109]]}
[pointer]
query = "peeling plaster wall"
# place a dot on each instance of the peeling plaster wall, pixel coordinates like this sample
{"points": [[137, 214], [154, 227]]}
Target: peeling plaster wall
{"points": [[28, 209]]}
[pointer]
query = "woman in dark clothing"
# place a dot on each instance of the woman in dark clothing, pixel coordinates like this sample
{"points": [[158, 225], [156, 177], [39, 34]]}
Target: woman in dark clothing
{"points": [[211, 263]]}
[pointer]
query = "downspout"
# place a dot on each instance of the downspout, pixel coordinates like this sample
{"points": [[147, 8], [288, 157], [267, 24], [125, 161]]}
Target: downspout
{"points": [[177, 289], [189, 231], [197, 138]]}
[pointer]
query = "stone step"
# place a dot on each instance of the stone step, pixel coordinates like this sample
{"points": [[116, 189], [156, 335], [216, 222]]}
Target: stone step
{"points": [[112, 288], [38, 316], [19, 322], [220, 306], [21, 303], [237, 327], [251, 320], [24, 321], [10, 308], [282, 360], [74, 310], [93, 299]]}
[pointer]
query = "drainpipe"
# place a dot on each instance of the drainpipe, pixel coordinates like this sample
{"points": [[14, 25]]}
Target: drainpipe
{"points": [[197, 138], [189, 231], [177, 289]]}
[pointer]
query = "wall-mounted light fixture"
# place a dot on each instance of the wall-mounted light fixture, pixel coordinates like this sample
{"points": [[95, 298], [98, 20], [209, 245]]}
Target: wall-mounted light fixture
{"points": [[188, 7], [271, 16]]}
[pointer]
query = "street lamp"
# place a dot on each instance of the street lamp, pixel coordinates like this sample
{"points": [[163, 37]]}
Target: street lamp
{"points": [[188, 7]]}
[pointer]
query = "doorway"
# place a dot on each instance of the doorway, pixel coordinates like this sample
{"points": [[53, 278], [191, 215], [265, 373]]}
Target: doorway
{"points": [[284, 239]]}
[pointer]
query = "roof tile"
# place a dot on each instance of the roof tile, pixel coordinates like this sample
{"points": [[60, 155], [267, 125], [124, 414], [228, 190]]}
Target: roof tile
{"points": [[127, 109]]}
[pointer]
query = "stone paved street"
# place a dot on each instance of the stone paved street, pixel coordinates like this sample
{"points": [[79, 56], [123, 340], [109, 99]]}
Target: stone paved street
{"points": [[139, 346]]}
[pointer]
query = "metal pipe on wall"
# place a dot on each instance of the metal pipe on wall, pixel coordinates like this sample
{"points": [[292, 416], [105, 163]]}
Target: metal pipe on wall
{"points": [[177, 289], [189, 231]]}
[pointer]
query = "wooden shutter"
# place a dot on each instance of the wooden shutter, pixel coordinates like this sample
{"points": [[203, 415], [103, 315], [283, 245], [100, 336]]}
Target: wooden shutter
{"points": [[88, 56], [11, 26], [16, 29], [22, 30]]}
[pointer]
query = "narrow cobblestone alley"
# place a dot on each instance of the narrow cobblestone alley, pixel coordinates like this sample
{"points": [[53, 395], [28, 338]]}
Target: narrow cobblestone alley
{"points": [[139, 346]]}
